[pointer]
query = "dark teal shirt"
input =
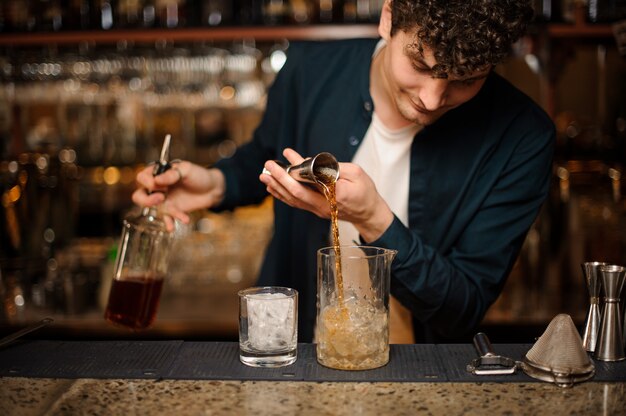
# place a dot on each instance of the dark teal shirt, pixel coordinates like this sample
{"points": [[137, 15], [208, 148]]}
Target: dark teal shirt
{"points": [[478, 177]]}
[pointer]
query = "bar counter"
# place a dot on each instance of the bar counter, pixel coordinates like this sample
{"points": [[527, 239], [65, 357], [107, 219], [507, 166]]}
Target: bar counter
{"points": [[206, 378]]}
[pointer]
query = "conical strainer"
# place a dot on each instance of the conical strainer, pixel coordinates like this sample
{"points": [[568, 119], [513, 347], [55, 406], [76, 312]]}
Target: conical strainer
{"points": [[559, 356]]}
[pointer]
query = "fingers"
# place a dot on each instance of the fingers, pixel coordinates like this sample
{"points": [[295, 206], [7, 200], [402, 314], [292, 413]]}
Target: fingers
{"points": [[143, 198], [169, 223], [180, 173], [162, 182], [350, 171], [172, 211], [182, 169], [281, 195], [145, 194], [169, 177], [292, 156], [275, 179], [286, 189], [145, 179]]}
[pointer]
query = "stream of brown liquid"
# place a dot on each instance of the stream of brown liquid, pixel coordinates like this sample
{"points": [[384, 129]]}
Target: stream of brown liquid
{"points": [[331, 196], [351, 334]]}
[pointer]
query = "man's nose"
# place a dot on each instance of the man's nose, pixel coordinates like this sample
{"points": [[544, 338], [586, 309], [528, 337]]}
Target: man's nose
{"points": [[433, 93]]}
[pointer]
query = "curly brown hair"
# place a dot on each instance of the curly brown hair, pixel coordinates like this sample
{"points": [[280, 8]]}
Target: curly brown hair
{"points": [[464, 35]]}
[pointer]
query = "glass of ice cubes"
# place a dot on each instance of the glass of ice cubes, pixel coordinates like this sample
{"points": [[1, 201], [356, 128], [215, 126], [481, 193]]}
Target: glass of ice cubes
{"points": [[268, 326]]}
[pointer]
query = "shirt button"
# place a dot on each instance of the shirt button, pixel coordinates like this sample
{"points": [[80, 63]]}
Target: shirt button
{"points": [[367, 106], [353, 141]]}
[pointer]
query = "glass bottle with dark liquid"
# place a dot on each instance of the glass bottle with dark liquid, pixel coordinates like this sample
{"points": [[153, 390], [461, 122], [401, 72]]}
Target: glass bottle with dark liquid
{"points": [[141, 264]]}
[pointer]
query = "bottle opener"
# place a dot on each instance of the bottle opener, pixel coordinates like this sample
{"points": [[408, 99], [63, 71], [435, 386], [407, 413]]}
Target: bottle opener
{"points": [[489, 363]]}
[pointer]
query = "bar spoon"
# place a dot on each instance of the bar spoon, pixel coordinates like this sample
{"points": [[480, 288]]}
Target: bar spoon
{"points": [[17, 334]]}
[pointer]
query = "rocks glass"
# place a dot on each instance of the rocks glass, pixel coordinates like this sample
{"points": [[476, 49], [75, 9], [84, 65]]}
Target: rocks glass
{"points": [[268, 326]]}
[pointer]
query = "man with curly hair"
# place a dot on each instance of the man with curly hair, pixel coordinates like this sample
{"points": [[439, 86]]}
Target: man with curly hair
{"points": [[441, 159]]}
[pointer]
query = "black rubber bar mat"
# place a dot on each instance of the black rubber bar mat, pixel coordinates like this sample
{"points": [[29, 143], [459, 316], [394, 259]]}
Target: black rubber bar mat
{"points": [[610, 371], [88, 359], [220, 361]]}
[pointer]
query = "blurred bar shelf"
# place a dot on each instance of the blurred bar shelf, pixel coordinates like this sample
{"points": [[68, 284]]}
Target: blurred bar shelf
{"points": [[580, 31], [580, 28], [259, 33]]}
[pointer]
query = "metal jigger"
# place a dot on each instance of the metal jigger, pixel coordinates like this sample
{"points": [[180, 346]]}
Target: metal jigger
{"points": [[320, 169], [610, 342], [592, 323]]}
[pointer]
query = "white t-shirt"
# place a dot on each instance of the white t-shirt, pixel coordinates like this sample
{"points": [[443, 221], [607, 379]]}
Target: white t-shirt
{"points": [[385, 156]]}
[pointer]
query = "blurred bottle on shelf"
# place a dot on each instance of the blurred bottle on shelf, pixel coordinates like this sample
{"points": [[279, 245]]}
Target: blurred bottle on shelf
{"points": [[216, 13], [568, 10], [606, 11], [78, 15], [327, 11], [349, 11], [300, 12], [48, 15], [17, 16], [274, 12], [249, 12], [103, 16], [129, 13], [363, 10], [148, 14], [171, 13], [555, 11]]}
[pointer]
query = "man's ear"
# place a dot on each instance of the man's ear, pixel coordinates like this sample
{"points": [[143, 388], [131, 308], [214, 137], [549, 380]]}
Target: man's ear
{"points": [[384, 25]]}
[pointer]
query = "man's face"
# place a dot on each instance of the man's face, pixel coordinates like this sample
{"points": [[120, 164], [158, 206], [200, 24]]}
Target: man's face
{"points": [[419, 96]]}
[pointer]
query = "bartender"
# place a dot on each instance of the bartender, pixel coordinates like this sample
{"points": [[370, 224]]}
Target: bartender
{"points": [[442, 160]]}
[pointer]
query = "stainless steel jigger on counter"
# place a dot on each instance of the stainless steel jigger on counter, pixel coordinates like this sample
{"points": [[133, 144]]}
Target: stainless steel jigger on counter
{"points": [[603, 333], [591, 274], [320, 169], [610, 345]]}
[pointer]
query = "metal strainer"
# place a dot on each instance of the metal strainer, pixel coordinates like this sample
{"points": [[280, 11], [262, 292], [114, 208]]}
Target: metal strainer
{"points": [[558, 356]]}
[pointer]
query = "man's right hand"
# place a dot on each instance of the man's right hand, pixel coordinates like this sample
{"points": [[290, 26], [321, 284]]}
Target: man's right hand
{"points": [[184, 188]]}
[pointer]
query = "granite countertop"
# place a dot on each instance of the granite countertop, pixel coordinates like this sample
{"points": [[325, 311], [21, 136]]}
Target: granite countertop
{"points": [[34, 396]]}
